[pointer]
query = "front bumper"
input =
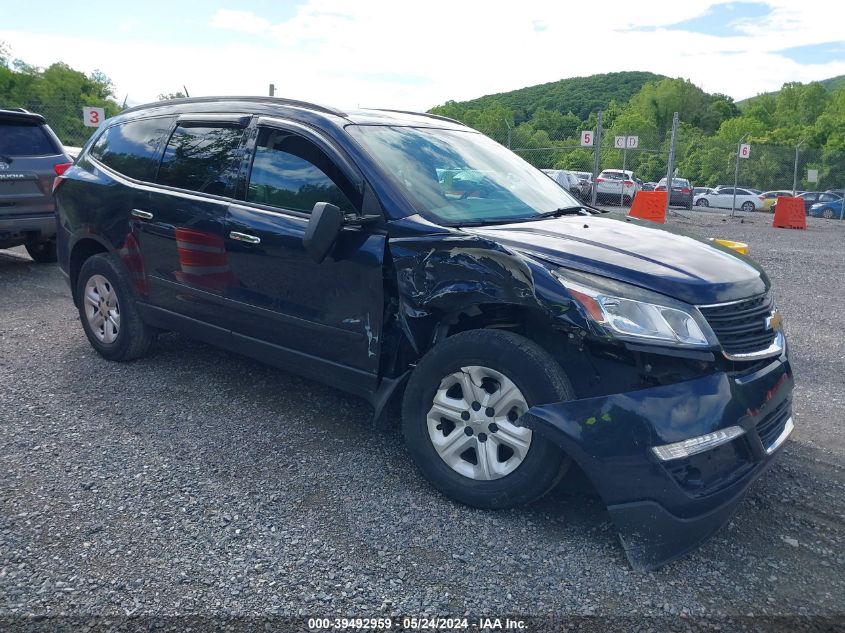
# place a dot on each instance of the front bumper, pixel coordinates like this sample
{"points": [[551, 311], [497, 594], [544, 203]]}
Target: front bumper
{"points": [[664, 509]]}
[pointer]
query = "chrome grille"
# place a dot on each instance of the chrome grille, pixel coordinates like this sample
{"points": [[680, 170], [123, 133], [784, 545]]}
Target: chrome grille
{"points": [[740, 326]]}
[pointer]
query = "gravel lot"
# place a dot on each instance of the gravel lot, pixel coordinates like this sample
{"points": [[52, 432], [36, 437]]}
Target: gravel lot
{"points": [[195, 481]]}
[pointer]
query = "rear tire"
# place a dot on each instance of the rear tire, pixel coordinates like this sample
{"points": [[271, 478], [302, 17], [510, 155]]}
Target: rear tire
{"points": [[828, 213], [519, 374], [42, 252], [702, 203], [108, 312]]}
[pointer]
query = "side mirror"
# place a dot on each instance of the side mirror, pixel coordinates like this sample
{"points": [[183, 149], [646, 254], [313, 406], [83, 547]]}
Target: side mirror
{"points": [[324, 226]]}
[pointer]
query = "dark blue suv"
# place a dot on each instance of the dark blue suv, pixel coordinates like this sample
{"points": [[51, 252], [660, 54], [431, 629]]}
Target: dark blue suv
{"points": [[393, 254]]}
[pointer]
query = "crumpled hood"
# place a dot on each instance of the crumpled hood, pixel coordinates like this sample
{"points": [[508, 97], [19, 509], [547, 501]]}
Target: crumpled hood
{"points": [[669, 262]]}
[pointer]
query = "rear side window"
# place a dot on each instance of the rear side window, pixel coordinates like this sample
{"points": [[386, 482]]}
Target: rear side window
{"points": [[133, 148], [291, 172], [22, 139], [203, 159]]}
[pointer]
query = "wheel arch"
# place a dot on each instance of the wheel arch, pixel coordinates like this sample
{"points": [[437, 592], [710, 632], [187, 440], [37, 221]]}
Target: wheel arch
{"points": [[82, 250]]}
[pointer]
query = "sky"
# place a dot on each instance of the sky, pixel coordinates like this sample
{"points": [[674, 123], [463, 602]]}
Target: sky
{"points": [[414, 55]]}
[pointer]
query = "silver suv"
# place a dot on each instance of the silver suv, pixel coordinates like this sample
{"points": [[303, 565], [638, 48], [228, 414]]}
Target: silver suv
{"points": [[30, 159]]}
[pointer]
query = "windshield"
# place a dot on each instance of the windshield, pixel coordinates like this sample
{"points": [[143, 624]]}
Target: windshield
{"points": [[461, 177]]}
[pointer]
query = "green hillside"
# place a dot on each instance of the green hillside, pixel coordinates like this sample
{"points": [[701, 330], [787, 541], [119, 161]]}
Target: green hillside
{"points": [[831, 84], [579, 95], [543, 123], [834, 83]]}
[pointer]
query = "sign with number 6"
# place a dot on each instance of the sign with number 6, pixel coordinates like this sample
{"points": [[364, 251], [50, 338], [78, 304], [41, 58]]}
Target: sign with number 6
{"points": [[587, 138], [93, 117], [744, 150]]}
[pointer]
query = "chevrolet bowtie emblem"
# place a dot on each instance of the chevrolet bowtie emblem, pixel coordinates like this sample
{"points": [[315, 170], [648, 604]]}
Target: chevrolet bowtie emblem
{"points": [[773, 321]]}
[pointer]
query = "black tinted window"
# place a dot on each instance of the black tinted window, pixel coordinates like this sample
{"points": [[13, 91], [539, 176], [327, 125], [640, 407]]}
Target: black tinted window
{"points": [[202, 159], [292, 173], [133, 148], [20, 139]]}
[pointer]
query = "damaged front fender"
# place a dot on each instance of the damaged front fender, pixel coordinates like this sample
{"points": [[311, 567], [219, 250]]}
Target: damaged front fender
{"points": [[663, 509]]}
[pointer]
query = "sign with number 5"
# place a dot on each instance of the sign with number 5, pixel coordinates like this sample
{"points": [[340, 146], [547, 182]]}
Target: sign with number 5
{"points": [[587, 138], [744, 150], [93, 117]]}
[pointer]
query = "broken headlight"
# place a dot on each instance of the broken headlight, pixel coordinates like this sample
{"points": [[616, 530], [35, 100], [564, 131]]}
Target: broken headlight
{"points": [[632, 313]]}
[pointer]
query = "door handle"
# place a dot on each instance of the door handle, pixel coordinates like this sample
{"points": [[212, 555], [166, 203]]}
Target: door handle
{"points": [[141, 215], [243, 237]]}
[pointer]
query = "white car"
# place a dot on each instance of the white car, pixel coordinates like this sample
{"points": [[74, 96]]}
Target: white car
{"points": [[613, 184], [565, 179], [723, 199]]}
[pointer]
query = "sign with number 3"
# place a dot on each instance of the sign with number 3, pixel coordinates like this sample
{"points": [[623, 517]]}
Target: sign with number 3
{"points": [[93, 117]]}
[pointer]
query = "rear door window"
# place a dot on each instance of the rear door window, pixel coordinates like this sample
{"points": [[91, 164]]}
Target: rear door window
{"points": [[203, 159], [133, 148], [21, 139], [290, 172]]}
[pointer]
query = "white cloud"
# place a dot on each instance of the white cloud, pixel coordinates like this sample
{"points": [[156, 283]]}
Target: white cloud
{"points": [[387, 54], [241, 21]]}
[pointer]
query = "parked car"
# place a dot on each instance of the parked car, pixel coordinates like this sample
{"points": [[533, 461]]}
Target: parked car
{"points": [[520, 329], [586, 180], [813, 197], [681, 194], [30, 159], [724, 198], [649, 186], [565, 179], [828, 209], [613, 185], [770, 197]]}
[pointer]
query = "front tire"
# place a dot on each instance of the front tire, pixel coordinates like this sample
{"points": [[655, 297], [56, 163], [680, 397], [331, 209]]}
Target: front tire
{"points": [[42, 252], [748, 207], [460, 418], [702, 203], [828, 213], [108, 312]]}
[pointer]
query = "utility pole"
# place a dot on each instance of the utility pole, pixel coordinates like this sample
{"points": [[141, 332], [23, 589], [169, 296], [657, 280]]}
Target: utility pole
{"points": [[510, 129], [842, 207], [670, 169], [736, 174], [624, 164], [795, 173], [272, 90], [596, 158]]}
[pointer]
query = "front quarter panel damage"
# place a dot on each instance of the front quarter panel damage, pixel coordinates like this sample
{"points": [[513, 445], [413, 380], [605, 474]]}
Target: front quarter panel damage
{"points": [[441, 275]]}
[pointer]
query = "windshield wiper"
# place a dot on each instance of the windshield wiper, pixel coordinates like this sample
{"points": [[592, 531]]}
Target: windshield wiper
{"points": [[576, 210]]}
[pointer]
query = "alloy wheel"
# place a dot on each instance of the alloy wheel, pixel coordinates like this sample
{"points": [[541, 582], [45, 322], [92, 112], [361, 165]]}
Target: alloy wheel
{"points": [[102, 309]]}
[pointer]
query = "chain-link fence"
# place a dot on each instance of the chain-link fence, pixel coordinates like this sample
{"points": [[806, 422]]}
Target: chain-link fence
{"points": [[63, 117], [707, 162]]}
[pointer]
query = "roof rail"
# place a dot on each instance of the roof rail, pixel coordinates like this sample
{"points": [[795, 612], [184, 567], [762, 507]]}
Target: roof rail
{"points": [[253, 99], [426, 114]]}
